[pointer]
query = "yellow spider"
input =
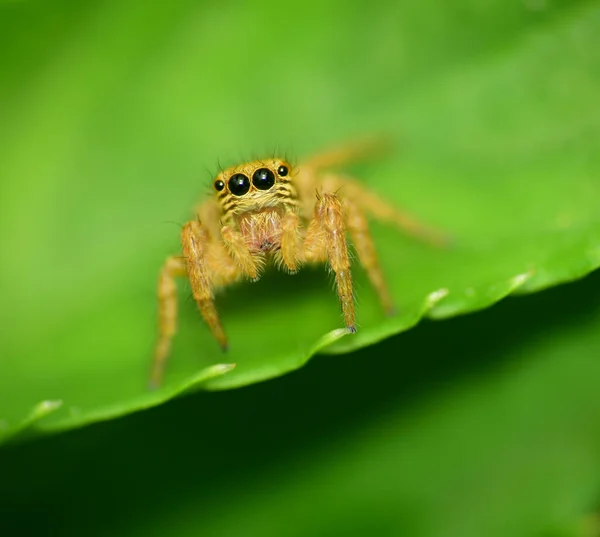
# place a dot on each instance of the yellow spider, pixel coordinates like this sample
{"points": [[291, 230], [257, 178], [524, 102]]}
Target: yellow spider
{"points": [[267, 211]]}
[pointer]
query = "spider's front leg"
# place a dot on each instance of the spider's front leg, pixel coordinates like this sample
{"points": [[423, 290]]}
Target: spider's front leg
{"points": [[207, 265], [326, 239], [195, 241]]}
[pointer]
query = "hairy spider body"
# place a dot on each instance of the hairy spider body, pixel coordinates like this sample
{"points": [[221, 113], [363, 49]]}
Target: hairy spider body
{"points": [[266, 211]]}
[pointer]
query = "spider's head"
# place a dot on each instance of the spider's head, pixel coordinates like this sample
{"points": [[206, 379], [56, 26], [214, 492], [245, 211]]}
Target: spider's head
{"points": [[253, 186]]}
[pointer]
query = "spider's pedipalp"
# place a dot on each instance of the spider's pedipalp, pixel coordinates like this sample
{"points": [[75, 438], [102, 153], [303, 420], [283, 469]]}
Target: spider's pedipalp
{"points": [[234, 241], [291, 245]]}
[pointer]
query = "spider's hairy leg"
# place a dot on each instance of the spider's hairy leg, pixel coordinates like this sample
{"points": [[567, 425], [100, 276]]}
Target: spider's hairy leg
{"points": [[326, 239], [358, 228], [239, 251], [195, 241], [291, 246], [208, 266], [382, 210], [167, 314], [350, 152]]}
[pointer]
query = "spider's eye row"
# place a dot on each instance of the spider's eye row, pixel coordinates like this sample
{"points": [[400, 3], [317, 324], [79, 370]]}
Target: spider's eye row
{"points": [[239, 184], [219, 185], [282, 171], [263, 179]]}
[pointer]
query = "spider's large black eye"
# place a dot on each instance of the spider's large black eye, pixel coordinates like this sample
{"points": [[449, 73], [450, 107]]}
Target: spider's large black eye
{"points": [[219, 185], [263, 179], [282, 171], [239, 184]]}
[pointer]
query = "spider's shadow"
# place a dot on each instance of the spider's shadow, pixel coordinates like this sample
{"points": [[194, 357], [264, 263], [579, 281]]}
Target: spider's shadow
{"points": [[274, 289]]}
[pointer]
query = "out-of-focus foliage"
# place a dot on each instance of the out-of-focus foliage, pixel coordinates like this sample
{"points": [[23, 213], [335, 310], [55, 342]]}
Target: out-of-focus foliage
{"points": [[485, 424]]}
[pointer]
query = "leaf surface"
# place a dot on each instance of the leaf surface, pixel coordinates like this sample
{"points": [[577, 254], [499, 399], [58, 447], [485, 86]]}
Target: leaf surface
{"points": [[113, 126]]}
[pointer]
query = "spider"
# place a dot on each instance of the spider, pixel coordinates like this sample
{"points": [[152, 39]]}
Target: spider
{"points": [[267, 211]]}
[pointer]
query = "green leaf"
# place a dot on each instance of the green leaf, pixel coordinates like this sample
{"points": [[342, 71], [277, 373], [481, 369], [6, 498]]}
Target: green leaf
{"points": [[112, 112], [483, 425]]}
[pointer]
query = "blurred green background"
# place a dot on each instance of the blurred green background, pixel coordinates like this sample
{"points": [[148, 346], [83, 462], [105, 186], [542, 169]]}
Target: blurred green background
{"points": [[114, 116]]}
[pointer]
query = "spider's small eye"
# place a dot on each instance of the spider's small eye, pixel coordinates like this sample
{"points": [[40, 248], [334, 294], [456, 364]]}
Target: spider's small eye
{"points": [[239, 184], [263, 179], [219, 185], [282, 171]]}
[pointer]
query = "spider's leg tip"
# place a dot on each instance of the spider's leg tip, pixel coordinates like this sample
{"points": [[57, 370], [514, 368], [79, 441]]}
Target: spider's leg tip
{"points": [[392, 311], [351, 329], [225, 347]]}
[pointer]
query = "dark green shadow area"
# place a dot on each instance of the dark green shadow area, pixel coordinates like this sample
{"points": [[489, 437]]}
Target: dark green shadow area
{"points": [[208, 450]]}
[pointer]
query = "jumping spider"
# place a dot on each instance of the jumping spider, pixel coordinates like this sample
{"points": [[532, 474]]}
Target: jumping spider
{"points": [[267, 211]]}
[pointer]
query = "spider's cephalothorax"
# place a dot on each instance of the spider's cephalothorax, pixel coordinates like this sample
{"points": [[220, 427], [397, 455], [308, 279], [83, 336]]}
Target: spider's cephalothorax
{"points": [[266, 211], [255, 186], [254, 199]]}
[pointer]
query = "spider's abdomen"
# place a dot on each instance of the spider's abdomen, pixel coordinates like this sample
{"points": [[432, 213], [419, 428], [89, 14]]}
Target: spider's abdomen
{"points": [[261, 229]]}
